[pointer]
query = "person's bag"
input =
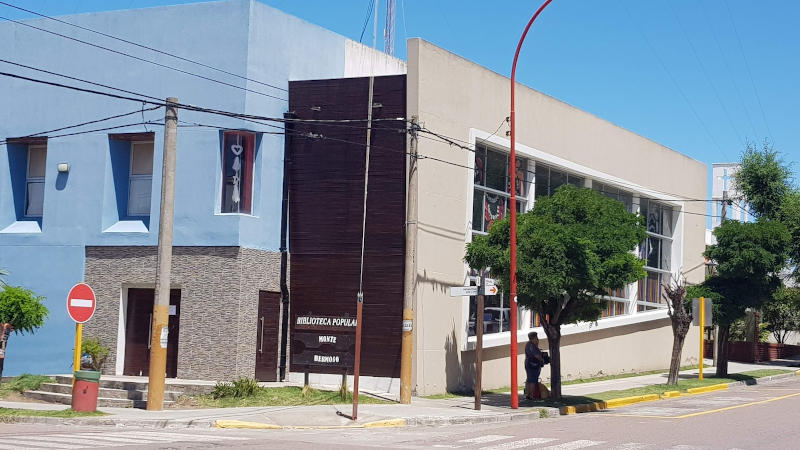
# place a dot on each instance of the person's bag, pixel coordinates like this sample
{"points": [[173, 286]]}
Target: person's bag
{"points": [[546, 358]]}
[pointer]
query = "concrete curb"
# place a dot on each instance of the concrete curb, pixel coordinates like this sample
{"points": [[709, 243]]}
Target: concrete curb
{"points": [[618, 402]]}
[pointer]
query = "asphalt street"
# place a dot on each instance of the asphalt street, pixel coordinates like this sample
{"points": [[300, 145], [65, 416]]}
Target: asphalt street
{"points": [[755, 417]]}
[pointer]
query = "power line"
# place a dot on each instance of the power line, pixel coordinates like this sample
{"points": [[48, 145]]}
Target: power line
{"points": [[370, 5], [674, 81], [143, 59], [5, 142], [142, 46], [749, 73], [91, 122]]}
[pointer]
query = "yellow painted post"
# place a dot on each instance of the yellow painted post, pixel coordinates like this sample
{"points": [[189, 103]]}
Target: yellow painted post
{"points": [[77, 357], [702, 332]]}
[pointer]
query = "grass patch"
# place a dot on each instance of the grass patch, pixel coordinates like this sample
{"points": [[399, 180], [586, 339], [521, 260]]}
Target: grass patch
{"points": [[283, 396], [22, 383], [64, 413], [624, 375], [461, 394]]}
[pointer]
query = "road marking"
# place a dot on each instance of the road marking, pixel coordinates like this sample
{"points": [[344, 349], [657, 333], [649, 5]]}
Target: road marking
{"points": [[177, 437], [519, 444], [631, 446], [486, 439], [29, 441], [573, 445], [738, 406]]}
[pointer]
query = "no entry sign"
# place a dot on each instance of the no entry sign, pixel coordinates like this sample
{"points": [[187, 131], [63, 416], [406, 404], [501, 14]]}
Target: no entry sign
{"points": [[81, 303]]}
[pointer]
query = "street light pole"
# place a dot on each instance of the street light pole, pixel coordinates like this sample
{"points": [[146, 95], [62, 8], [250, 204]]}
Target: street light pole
{"points": [[513, 205]]}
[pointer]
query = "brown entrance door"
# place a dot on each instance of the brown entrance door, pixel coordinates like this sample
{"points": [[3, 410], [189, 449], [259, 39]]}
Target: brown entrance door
{"points": [[138, 326], [267, 335]]}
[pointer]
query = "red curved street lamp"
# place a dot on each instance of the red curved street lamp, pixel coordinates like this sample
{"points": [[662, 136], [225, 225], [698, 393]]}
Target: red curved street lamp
{"points": [[513, 269]]}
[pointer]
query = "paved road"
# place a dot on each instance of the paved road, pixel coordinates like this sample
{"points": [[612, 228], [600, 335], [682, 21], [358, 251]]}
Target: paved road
{"points": [[757, 417]]}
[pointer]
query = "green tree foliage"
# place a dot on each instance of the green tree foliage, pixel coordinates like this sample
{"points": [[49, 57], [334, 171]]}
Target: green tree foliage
{"points": [[571, 248], [789, 215], [21, 308], [97, 351], [781, 313], [749, 257], [763, 179]]}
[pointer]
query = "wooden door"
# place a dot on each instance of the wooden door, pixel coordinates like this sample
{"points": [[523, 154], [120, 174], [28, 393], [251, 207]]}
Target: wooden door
{"points": [[138, 329], [267, 335]]}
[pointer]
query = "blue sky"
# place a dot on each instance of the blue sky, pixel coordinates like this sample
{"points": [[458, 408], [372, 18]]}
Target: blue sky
{"points": [[701, 77]]}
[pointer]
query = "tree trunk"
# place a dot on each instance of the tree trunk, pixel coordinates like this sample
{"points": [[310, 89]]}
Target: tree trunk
{"points": [[553, 333], [722, 350], [675, 360]]}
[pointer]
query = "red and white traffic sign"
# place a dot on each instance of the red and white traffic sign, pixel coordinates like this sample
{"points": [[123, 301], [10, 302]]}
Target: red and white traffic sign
{"points": [[81, 303]]}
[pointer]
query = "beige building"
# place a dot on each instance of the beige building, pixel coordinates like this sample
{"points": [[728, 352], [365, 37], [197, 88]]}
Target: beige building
{"points": [[462, 194]]}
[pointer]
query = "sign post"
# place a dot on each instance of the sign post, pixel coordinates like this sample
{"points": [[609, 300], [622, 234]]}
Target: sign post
{"points": [[702, 332], [81, 305]]}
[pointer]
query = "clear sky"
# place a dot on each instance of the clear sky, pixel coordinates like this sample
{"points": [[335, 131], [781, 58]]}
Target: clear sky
{"points": [[699, 76]]}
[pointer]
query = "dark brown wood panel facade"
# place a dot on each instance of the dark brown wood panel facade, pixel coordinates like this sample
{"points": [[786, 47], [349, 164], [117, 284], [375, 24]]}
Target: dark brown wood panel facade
{"points": [[326, 179]]}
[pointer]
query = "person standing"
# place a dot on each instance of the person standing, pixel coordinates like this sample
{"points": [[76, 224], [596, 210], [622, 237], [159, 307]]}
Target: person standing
{"points": [[533, 365]]}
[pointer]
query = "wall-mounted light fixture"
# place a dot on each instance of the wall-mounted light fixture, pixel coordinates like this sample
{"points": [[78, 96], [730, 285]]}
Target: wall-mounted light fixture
{"points": [[63, 167]]}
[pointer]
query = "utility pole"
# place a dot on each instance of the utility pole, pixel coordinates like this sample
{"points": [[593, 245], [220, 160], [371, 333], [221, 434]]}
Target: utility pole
{"points": [[410, 286], [479, 341], [717, 345], [160, 333]]}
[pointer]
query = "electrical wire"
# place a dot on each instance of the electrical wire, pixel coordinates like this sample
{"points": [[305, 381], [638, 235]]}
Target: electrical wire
{"points": [[370, 5], [142, 46], [165, 66], [5, 142], [91, 122]]}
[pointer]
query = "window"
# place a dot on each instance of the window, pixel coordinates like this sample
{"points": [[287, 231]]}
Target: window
{"points": [[140, 179], [34, 181], [496, 311], [237, 171], [549, 179], [656, 250], [492, 187], [617, 194]]}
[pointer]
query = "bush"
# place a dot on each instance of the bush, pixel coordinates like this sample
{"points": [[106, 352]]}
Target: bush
{"points": [[96, 351], [243, 387]]}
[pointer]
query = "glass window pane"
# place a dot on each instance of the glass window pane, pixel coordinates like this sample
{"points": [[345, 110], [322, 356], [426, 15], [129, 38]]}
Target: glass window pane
{"points": [[598, 187], [37, 155], [34, 200], [654, 218], [653, 247], [557, 179], [480, 166], [542, 180], [139, 196], [643, 206], [575, 181], [667, 225], [477, 211], [650, 288], [522, 177], [236, 171], [666, 255], [142, 158], [496, 164], [494, 210], [627, 199]]}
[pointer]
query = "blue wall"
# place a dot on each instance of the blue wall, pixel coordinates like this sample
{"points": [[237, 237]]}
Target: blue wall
{"points": [[239, 36]]}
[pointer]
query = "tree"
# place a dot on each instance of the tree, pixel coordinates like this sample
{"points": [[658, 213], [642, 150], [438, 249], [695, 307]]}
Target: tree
{"points": [[749, 258], [573, 247], [763, 179], [680, 314], [21, 311], [781, 313]]}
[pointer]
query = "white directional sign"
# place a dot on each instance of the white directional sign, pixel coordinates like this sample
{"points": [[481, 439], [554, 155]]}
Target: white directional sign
{"points": [[469, 291]]}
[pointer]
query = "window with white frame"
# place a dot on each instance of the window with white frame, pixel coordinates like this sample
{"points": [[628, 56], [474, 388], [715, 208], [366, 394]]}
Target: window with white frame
{"points": [[618, 194], [34, 181], [656, 250], [490, 203], [140, 179], [492, 187], [238, 154]]}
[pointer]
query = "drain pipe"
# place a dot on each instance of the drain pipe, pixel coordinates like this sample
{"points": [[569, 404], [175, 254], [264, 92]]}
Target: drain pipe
{"points": [[289, 127]]}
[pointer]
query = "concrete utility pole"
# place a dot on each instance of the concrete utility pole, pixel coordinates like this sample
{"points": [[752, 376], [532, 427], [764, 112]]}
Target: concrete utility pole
{"points": [[160, 333], [410, 286], [479, 340]]}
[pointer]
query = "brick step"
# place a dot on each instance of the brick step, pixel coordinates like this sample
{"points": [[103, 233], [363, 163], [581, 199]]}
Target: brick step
{"points": [[66, 399], [188, 389], [108, 393]]}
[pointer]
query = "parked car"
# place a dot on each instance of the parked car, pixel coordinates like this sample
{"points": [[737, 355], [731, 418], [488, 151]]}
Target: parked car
{"points": [[494, 320]]}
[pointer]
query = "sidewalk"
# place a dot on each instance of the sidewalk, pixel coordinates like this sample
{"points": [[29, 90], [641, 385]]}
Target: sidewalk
{"points": [[422, 411]]}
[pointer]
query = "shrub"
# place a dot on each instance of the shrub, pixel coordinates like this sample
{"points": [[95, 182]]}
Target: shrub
{"points": [[240, 388], [96, 351]]}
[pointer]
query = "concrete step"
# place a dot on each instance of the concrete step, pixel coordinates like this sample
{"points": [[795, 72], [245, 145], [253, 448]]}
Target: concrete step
{"points": [[107, 392], [182, 388], [102, 402]]}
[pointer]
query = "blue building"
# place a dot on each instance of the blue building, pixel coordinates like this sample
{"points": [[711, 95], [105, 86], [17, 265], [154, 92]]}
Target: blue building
{"points": [[82, 204]]}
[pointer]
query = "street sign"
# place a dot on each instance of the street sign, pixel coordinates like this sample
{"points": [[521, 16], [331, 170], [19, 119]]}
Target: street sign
{"points": [[708, 319], [81, 303], [469, 291]]}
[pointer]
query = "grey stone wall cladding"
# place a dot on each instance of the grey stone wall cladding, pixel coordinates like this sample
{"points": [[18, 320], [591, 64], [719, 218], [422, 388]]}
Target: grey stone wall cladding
{"points": [[219, 302]]}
